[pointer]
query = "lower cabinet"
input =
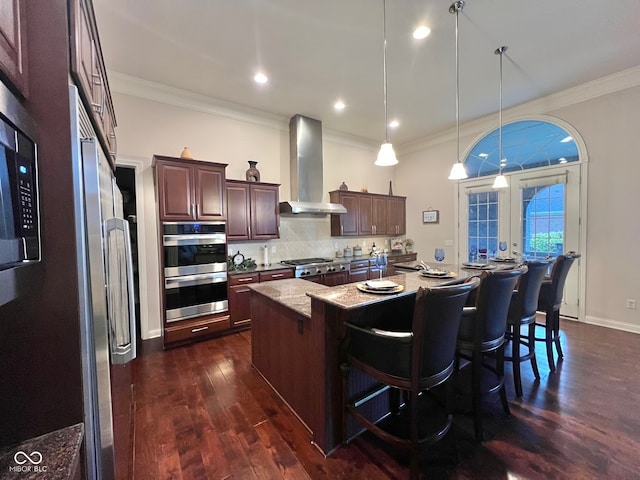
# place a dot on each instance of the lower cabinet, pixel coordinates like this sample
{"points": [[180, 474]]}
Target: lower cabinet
{"points": [[240, 293], [359, 271], [330, 279], [191, 329]]}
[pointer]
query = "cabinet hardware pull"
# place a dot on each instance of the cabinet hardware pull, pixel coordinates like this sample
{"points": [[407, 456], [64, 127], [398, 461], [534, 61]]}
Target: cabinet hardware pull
{"points": [[245, 279], [196, 330], [341, 229], [277, 275]]}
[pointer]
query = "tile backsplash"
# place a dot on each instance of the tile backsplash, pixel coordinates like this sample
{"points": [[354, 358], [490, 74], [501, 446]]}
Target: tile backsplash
{"points": [[304, 237]]}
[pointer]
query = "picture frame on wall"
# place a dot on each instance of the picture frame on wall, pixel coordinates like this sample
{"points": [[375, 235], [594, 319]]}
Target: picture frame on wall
{"points": [[431, 216]]}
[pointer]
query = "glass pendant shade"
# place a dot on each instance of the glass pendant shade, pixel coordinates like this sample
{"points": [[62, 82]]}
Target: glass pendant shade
{"points": [[386, 156], [458, 172], [500, 182]]}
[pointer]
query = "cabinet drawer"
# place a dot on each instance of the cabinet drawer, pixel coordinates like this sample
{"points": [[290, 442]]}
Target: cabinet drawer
{"points": [[403, 258], [244, 278], [190, 329], [276, 275], [357, 264]]}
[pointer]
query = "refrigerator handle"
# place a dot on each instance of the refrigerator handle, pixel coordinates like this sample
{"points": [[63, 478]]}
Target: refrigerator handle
{"points": [[123, 350]]}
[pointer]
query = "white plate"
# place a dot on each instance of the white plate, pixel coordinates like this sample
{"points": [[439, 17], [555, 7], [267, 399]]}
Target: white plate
{"points": [[437, 274], [380, 284], [478, 266]]}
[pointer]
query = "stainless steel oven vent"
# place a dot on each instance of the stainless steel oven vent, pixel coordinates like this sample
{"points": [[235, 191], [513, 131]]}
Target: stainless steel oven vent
{"points": [[305, 147]]}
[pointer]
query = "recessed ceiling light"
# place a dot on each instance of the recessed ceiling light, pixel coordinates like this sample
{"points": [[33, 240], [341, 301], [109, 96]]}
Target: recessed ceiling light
{"points": [[260, 78], [562, 160], [394, 124], [421, 32], [483, 155], [566, 139], [339, 105]]}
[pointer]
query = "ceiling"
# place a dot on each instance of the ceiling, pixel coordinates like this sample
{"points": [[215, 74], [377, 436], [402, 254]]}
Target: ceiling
{"points": [[318, 51]]}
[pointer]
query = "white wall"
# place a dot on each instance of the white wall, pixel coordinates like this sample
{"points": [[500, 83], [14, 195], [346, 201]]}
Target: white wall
{"points": [[165, 124], [606, 113], [609, 125]]}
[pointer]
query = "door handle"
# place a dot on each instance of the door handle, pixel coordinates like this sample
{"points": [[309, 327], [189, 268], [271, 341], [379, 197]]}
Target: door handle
{"points": [[201, 329]]}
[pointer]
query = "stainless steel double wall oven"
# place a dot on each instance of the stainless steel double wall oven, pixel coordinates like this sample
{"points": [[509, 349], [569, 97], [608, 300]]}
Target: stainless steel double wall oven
{"points": [[195, 269]]}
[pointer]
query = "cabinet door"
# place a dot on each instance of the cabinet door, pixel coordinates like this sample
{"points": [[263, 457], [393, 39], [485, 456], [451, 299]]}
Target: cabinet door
{"points": [[396, 218], [379, 208], [365, 215], [13, 38], [175, 194], [359, 275], [338, 278], [345, 223], [238, 215], [210, 192], [265, 216]]}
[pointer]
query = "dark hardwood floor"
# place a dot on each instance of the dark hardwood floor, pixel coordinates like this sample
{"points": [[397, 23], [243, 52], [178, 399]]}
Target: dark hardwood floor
{"points": [[202, 412]]}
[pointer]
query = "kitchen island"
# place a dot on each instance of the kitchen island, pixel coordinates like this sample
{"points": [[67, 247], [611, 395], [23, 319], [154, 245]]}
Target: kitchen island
{"points": [[297, 331]]}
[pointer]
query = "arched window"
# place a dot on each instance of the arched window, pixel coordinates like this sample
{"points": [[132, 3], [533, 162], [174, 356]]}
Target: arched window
{"points": [[538, 214], [525, 144]]}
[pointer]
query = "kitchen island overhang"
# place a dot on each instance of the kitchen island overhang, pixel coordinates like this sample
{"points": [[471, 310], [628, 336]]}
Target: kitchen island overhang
{"points": [[297, 330]]}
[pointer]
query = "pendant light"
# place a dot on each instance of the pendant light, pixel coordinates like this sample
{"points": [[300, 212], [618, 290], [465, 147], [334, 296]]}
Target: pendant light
{"points": [[501, 180], [458, 171], [386, 155]]}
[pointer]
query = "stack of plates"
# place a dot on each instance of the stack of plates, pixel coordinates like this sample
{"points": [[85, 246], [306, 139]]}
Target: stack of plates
{"points": [[503, 259], [380, 286], [478, 266], [435, 273]]}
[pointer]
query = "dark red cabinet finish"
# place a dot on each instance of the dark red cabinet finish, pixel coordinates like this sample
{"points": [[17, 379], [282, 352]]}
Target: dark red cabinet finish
{"points": [[252, 210], [368, 214], [189, 190], [13, 47]]}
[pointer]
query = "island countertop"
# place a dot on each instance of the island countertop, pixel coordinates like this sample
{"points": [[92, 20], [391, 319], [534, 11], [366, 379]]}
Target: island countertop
{"points": [[296, 293]]}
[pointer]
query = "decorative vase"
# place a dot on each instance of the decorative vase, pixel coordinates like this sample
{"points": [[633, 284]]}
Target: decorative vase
{"points": [[390, 188], [343, 186], [253, 175], [186, 153]]}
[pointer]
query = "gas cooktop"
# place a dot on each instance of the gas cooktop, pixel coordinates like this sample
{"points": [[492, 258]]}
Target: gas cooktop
{"points": [[306, 267]]}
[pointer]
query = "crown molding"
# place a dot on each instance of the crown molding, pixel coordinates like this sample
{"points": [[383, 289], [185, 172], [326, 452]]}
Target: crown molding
{"points": [[616, 82], [157, 92]]}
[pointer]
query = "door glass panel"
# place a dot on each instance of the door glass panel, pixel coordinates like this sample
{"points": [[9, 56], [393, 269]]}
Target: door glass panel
{"points": [[543, 220], [482, 241]]}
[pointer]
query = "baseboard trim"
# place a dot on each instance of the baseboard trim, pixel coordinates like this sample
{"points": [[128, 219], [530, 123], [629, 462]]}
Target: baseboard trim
{"points": [[605, 322]]}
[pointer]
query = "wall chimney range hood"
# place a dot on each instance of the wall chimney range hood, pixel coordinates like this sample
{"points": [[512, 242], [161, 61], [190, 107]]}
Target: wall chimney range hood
{"points": [[305, 148]]}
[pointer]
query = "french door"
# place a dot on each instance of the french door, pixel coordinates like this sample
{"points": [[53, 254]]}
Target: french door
{"points": [[537, 216]]}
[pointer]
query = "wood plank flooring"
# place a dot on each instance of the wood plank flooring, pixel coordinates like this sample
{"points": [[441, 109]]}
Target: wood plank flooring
{"points": [[202, 412]]}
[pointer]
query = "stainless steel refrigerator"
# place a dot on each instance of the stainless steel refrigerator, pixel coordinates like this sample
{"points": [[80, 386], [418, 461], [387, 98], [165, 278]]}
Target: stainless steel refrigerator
{"points": [[105, 277]]}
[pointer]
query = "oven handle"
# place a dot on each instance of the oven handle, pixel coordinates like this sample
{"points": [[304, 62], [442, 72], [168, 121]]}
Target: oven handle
{"points": [[191, 280], [177, 240]]}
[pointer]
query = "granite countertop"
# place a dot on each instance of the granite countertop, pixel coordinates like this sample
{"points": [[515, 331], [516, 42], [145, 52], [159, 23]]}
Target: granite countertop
{"points": [[260, 268], [53, 456], [291, 292], [296, 293]]}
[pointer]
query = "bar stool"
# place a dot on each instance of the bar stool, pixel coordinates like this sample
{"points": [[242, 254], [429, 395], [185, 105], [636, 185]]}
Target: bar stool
{"points": [[482, 334], [522, 311], [550, 301], [413, 360]]}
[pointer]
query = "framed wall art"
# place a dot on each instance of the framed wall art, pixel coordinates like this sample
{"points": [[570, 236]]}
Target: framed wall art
{"points": [[431, 216]]}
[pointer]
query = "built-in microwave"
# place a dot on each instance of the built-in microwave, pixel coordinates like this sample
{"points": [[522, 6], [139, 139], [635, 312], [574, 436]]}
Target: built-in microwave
{"points": [[19, 216]]}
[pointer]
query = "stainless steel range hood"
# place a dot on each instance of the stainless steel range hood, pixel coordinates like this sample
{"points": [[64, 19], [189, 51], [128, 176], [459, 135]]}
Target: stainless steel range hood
{"points": [[305, 148]]}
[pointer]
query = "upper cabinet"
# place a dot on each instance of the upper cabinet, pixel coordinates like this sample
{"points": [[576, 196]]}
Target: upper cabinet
{"points": [[13, 45], [88, 69], [190, 190], [396, 216], [252, 210], [368, 214]]}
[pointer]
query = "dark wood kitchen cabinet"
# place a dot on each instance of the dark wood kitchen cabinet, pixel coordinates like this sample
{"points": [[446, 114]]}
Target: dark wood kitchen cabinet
{"points": [[240, 294], [346, 223], [13, 45], [359, 271], [396, 216], [252, 210], [368, 214], [90, 74], [190, 190]]}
